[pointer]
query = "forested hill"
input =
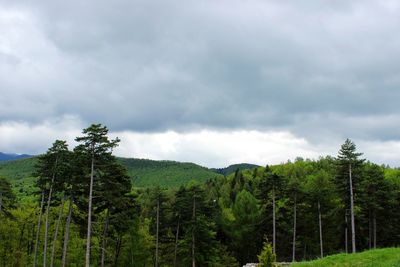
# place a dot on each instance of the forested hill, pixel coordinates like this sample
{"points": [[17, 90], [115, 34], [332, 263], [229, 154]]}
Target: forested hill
{"points": [[5, 156], [233, 168], [143, 172]]}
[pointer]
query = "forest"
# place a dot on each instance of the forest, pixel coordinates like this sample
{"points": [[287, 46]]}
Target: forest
{"points": [[86, 210]]}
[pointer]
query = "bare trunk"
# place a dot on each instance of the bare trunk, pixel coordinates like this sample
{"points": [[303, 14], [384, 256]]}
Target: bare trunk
{"points": [[320, 230], [89, 227], [193, 237], [38, 230], [369, 230], [66, 237], [157, 229], [345, 233], [46, 232], [117, 250], [353, 226], [53, 251], [294, 228], [104, 241], [273, 221], [374, 226], [176, 242]]}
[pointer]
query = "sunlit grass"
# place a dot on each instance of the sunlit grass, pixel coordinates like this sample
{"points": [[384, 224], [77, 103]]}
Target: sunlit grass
{"points": [[388, 257]]}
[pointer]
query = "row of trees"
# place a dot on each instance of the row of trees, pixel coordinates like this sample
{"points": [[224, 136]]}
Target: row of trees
{"points": [[91, 214]]}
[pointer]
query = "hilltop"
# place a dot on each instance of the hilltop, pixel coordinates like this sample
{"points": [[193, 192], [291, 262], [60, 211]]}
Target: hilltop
{"points": [[7, 156], [144, 172], [234, 167]]}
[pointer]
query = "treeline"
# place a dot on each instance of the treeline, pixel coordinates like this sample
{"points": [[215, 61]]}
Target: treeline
{"points": [[87, 212]]}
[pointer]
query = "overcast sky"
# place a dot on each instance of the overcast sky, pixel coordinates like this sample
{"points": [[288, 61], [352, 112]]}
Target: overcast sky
{"points": [[212, 82]]}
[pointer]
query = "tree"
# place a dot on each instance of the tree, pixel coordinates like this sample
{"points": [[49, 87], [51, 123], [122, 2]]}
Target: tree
{"points": [[294, 187], [247, 218], [320, 190], [269, 186], [198, 245], [7, 197], [374, 196], [51, 169], [96, 146], [348, 160]]}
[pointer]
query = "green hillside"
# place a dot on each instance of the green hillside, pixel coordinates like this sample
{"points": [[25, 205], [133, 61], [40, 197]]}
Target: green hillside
{"points": [[146, 172], [232, 168], [388, 257], [143, 172]]}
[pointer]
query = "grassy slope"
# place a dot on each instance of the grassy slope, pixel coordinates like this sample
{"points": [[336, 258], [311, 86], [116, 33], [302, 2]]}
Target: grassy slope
{"points": [[388, 257], [143, 172]]}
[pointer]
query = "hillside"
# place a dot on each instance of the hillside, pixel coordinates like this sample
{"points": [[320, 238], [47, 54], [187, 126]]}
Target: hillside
{"points": [[387, 257], [232, 168], [143, 172], [146, 172], [5, 156]]}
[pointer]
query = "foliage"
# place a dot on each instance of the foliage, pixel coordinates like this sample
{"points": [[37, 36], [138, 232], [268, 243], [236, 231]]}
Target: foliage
{"points": [[211, 219], [267, 257]]}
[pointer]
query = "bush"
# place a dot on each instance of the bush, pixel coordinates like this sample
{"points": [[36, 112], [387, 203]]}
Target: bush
{"points": [[267, 257]]}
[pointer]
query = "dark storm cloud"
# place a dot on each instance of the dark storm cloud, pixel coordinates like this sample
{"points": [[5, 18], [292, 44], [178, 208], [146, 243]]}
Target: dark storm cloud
{"points": [[318, 69]]}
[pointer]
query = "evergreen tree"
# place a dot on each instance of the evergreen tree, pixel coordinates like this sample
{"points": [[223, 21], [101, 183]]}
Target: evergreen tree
{"points": [[7, 198], [51, 169], [349, 165], [96, 147]]}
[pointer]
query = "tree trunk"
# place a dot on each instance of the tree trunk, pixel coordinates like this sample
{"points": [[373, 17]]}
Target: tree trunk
{"points": [[38, 230], [294, 228], [104, 241], [320, 230], [346, 242], [46, 232], [89, 227], [369, 230], [66, 236], [1, 200], [273, 222], [117, 250], [53, 251], [176, 241], [157, 229], [353, 226], [193, 228], [374, 227]]}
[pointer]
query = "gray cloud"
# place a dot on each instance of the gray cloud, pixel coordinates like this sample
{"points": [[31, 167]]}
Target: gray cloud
{"points": [[317, 69]]}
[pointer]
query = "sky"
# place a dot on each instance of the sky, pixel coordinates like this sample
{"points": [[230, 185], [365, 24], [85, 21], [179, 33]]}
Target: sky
{"points": [[204, 81]]}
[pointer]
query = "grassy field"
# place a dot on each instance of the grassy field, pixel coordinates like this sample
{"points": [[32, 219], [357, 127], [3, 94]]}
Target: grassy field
{"points": [[388, 257]]}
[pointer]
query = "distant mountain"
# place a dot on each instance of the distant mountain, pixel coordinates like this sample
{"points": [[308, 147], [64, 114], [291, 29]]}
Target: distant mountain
{"points": [[232, 168], [5, 156], [143, 172]]}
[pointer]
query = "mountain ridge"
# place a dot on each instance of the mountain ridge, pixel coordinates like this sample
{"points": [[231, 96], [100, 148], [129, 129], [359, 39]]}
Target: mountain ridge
{"points": [[13, 156]]}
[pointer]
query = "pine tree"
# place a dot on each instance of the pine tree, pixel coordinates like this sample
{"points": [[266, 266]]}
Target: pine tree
{"points": [[7, 198], [96, 147], [349, 164], [51, 169]]}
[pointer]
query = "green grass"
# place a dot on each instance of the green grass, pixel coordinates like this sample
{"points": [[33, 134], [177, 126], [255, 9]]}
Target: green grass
{"points": [[388, 257]]}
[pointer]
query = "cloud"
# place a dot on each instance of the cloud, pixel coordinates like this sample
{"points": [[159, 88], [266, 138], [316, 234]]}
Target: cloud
{"points": [[317, 71]]}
